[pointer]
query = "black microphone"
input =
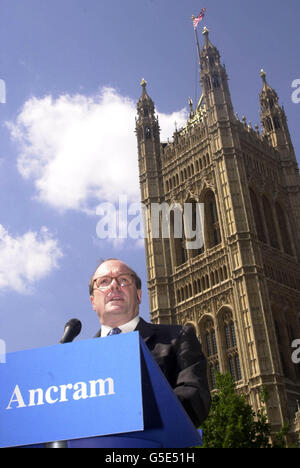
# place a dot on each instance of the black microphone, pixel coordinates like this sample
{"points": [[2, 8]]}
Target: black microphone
{"points": [[72, 329]]}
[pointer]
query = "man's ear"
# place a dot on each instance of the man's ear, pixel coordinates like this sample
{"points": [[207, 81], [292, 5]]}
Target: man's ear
{"points": [[139, 295], [92, 301]]}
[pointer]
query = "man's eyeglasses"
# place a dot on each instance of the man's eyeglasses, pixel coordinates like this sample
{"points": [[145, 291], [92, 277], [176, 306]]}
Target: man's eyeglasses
{"points": [[104, 282]]}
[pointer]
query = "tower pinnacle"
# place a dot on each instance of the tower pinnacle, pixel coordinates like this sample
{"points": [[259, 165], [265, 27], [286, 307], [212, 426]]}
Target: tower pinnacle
{"points": [[207, 43], [143, 85], [214, 81], [145, 104], [263, 74], [266, 86], [205, 31], [274, 121]]}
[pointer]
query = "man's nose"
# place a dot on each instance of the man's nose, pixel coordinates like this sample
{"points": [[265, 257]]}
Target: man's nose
{"points": [[114, 284]]}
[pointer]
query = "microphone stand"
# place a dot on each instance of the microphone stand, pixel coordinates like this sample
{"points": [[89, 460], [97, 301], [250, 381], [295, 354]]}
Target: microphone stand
{"points": [[72, 329]]}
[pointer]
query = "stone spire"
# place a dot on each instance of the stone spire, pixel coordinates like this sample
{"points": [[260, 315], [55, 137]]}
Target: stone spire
{"points": [[273, 118], [148, 133], [214, 80], [268, 96], [145, 105]]}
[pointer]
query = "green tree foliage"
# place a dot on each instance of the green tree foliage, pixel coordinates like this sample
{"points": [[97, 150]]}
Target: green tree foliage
{"points": [[232, 423]]}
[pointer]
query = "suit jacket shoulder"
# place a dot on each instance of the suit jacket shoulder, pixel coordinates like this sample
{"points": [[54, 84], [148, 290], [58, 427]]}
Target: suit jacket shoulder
{"points": [[178, 353]]}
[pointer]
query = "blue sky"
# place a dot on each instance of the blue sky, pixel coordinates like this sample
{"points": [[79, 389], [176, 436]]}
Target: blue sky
{"points": [[72, 70]]}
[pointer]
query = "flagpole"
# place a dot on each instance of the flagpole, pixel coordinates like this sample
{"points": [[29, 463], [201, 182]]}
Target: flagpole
{"points": [[196, 21], [198, 46], [199, 56], [195, 24]]}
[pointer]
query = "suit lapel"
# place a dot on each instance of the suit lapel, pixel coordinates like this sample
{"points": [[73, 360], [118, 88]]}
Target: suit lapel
{"points": [[146, 330]]}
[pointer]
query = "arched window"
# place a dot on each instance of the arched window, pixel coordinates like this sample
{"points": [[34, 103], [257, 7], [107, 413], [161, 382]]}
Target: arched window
{"points": [[217, 277], [235, 367], [215, 81], [221, 276], [270, 222], [207, 83], [211, 60], [211, 225], [229, 333], [276, 123], [269, 125], [194, 228], [257, 217], [177, 236], [281, 218], [229, 340], [210, 350], [213, 369], [147, 133]]}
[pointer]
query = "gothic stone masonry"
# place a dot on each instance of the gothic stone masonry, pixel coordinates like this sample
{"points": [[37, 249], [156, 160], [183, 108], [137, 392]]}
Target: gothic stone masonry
{"points": [[241, 291]]}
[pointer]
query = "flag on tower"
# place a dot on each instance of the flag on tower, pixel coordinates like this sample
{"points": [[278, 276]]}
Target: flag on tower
{"points": [[198, 18]]}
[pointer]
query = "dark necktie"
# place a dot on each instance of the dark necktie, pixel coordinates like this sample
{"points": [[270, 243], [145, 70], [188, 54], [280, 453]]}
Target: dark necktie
{"points": [[114, 331]]}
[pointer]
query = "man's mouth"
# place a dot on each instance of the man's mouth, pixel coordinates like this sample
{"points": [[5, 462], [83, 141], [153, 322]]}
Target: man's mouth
{"points": [[116, 299]]}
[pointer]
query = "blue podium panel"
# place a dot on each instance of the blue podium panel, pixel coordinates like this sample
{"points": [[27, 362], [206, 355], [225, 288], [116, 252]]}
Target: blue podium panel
{"points": [[166, 424], [71, 391]]}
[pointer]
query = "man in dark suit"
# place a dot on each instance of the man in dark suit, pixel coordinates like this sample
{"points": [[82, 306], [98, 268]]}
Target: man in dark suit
{"points": [[115, 293]]}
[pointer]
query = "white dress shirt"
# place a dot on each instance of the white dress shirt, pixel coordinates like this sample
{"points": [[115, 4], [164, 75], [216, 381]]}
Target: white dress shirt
{"points": [[127, 327]]}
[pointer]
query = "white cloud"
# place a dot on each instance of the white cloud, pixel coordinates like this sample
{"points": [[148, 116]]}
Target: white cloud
{"points": [[80, 150], [167, 123], [26, 259]]}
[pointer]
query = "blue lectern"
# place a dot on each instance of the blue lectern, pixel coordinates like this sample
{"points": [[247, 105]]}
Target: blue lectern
{"points": [[107, 393]]}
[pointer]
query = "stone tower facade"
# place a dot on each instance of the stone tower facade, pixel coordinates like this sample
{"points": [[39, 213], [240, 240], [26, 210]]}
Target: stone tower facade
{"points": [[241, 288]]}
